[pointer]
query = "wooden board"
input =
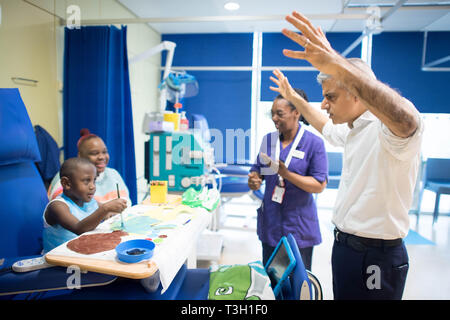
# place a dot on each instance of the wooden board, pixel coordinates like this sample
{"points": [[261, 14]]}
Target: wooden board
{"points": [[139, 270]]}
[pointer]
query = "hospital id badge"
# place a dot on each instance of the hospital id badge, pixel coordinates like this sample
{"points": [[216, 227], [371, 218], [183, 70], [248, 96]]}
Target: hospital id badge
{"points": [[278, 194]]}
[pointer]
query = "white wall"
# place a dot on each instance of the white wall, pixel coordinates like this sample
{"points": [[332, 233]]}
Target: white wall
{"points": [[28, 50]]}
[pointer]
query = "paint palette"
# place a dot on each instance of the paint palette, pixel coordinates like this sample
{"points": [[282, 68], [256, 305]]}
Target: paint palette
{"points": [[133, 251]]}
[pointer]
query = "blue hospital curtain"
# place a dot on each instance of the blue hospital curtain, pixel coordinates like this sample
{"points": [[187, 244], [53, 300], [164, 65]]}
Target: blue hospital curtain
{"points": [[97, 95]]}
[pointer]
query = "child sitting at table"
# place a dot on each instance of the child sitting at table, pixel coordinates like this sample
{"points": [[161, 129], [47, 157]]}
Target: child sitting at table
{"points": [[76, 211]]}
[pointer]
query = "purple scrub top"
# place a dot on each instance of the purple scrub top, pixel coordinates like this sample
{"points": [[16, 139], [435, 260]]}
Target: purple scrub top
{"points": [[297, 214]]}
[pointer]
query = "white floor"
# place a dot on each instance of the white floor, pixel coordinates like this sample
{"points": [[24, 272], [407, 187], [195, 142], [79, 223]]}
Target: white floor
{"points": [[428, 276]]}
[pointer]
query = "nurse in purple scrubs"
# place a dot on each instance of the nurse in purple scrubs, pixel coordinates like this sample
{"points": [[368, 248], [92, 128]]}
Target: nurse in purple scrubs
{"points": [[288, 205]]}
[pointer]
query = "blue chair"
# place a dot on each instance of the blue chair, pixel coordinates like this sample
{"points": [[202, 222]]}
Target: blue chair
{"points": [[334, 169], [24, 199], [21, 188], [436, 178], [50, 154]]}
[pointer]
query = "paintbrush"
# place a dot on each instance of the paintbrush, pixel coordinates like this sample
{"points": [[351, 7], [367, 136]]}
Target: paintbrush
{"points": [[121, 217]]}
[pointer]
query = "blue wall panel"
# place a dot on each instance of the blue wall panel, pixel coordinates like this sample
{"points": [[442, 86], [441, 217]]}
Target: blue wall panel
{"points": [[274, 43], [397, 59], [225, 100], [438, 46], [224, 97], [305, 80], [217, 49]]}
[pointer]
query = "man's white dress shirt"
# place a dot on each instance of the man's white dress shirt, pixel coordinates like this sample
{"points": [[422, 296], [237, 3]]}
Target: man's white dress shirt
{"points": [[378, 177]]}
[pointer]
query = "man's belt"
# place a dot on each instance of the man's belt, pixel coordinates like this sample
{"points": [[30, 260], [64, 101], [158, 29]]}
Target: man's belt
{"points": [[360, 243]]}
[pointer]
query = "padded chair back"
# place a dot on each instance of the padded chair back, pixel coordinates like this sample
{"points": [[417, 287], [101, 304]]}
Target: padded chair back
{"points": [[49, 150], [334, 163], [334, 169], [22, 192], [437, 170], [298, 287]]}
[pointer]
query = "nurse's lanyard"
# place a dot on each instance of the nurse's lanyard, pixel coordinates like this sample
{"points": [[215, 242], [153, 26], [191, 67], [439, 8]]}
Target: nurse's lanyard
{"points": [[280, 188]]}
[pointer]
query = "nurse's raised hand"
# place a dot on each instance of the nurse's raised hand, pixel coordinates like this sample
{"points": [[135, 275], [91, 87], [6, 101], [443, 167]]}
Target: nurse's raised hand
{"points": [[284, 87]]}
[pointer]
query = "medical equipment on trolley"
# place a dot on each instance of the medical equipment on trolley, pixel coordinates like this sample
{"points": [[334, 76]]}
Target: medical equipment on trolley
{"points": [[180, 158]]}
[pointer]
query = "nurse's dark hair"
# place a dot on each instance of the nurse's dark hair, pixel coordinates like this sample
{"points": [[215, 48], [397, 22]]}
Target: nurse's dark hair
{"points": [[301, 94], [72, 165]]}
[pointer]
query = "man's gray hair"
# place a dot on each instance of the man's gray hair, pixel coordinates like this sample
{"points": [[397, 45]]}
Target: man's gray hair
{"points": [[357, 62]]}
